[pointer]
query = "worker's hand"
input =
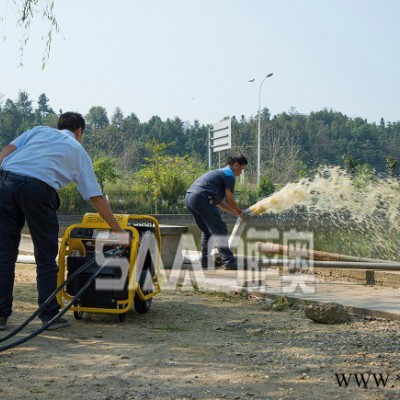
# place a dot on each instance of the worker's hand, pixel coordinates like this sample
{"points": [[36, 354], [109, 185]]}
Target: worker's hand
{"points": [[245, 216], [123, 237]]}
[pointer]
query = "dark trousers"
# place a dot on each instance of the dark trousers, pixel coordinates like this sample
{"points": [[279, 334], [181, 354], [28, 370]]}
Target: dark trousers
{"points": [[208, 218], [23, 198]]}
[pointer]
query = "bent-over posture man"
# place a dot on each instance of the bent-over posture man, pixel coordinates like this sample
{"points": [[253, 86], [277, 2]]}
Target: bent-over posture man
{"points": [[33, 167], [213, 190]]}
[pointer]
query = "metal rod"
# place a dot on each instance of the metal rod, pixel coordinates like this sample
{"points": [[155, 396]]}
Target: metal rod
{"points": [[273, 248], [390, 266], [209, 149]]}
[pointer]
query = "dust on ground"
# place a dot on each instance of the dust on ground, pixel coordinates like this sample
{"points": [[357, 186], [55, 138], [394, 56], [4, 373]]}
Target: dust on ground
{"points": [[199, 346]]}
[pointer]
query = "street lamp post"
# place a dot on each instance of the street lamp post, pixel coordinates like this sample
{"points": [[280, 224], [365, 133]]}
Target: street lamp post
{"points": [[259, 131]]}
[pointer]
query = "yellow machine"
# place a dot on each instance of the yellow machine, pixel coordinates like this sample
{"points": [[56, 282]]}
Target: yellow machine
{"points": [[132, 278]]}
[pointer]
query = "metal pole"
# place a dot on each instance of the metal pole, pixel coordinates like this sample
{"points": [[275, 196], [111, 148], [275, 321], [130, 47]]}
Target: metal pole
{"points": [[209, 149], [259, 136], [259, 131]]}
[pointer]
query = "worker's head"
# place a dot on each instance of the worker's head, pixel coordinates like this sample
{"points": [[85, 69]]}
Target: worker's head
{"points": [[237, 164], [74, 122]]}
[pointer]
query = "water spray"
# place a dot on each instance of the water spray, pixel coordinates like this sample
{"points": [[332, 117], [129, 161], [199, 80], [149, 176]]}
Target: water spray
{"points": [[363, 211]]}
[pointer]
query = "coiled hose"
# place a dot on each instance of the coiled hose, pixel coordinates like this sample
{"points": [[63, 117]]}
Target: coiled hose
{"points": [[38, 331]]}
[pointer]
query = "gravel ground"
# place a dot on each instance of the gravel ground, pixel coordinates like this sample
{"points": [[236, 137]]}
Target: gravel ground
{"points": [[200, 346]]}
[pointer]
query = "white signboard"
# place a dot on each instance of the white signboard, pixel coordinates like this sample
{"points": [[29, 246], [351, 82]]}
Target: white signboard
{"points": [[220, 136]]}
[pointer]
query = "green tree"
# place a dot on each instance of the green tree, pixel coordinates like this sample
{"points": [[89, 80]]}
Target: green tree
{"points": [[153, 129], [152, 173], [51, 120], [117, 119], [351, 165], [265, 188], [392, 164], [43, 109], [10, 120], [165, 178], [196, 140], [97, 118], [105, 170], [25, 110]]}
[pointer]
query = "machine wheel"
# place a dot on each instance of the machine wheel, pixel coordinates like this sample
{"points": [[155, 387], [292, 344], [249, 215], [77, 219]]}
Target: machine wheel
{"points": [[142, 306], [78, 314]]}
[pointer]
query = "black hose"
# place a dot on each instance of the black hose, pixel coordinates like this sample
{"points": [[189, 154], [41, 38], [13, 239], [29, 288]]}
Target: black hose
{"points": [[49, 299]]}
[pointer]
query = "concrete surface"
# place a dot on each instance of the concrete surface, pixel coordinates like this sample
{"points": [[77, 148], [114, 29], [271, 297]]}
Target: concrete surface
{"points": [[374, 301]]}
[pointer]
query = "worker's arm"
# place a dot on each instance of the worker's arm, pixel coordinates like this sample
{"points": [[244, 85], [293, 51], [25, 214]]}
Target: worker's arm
{"points": [[103, 208], [230, 203], [225, 207], [7, 151]]}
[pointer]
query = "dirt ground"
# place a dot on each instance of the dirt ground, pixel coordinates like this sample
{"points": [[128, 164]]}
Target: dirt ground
{"points": [[199, 346]]}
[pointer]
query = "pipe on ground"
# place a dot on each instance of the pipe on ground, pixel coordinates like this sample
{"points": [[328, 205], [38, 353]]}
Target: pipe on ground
{"points": [[390, 266], [273, 248]]}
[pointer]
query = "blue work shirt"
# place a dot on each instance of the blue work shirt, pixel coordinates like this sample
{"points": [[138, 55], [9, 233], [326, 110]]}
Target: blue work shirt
{"points": [[214, 183], [55, 157]]}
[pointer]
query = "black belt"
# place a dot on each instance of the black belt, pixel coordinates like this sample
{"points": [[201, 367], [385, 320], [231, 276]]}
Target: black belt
{"points": [[8, 174]]}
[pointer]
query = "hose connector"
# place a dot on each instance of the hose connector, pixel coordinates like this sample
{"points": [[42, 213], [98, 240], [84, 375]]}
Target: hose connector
{"points": [[246, 215]]}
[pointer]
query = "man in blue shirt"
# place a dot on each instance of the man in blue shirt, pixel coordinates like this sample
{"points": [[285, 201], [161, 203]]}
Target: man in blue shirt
{"points": [[213, 191], [33, 167]]}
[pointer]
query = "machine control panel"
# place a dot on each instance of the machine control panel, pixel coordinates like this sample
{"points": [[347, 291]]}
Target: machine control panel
{"points": [[142, 225], [92, 233]]}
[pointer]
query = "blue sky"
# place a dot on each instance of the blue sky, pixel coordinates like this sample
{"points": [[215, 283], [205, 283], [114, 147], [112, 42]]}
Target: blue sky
{"points": [[193, 58]]}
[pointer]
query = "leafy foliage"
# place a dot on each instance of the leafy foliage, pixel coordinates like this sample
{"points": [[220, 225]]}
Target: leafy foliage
{"points": [[265, 188], [27, 10], [165, 178], [105, 170], [155, 161]]}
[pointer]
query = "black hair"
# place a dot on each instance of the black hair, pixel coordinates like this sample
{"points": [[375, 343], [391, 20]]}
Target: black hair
{"points": [[241, 160], [71, 121]]}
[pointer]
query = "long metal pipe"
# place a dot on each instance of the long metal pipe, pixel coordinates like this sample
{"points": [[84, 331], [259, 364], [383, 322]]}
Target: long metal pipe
{"points": [[273, 248], [391, 266]]}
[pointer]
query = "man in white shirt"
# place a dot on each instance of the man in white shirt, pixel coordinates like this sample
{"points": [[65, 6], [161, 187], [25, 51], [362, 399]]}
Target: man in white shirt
{"points": [[33, 167]]}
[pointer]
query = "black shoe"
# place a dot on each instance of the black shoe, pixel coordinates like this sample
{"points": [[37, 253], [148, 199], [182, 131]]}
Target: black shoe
{"points": [[3, 323], [231, 267], [218, 263], [57, 324]]}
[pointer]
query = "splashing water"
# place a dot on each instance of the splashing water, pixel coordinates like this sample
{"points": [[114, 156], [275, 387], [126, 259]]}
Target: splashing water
{"points": [[363, 214]]}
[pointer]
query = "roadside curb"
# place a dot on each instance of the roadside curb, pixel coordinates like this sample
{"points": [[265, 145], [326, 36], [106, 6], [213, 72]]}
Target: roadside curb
{"points": [[354, 311], [358, 300]]}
